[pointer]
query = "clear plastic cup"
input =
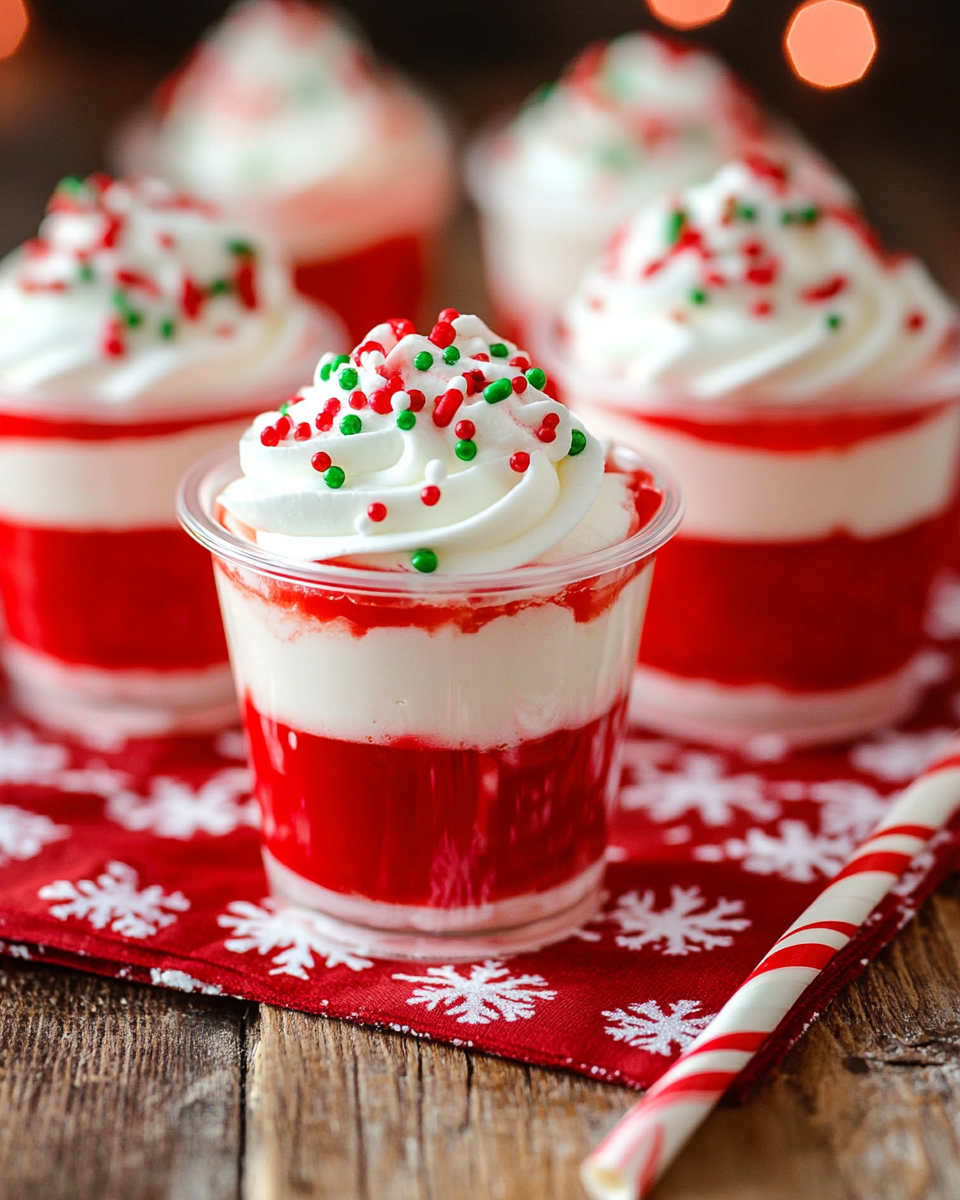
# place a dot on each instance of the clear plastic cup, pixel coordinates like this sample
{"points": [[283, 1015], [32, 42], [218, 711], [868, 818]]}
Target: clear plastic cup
{"points": [[434, 755]]}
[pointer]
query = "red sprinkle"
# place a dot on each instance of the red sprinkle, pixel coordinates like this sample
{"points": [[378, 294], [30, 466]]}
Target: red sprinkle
{"points": [[284, 425], [520, 461], [519, 384], [192, 298], [324, 422], [762, 276], [448, 314], [551, 420], [916, 320], [753, 249], [518, 360], [465, 430], [417, 400], [380, 401], [443, 334], [113, 346], [269, 436], [377, 511], [475, 381], [401, 326], [762, 308], [320, 461], [546, 434], [430, 495], [302, 432], [245, 284], [357, 400], [363, 348], [167, 241], [825, 291], [445, 407], [481, 358], [332, 406]]}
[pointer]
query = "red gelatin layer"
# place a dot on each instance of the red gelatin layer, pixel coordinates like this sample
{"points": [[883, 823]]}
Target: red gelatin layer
{"points": [[115, 599], [412, 824], [804, 616]]}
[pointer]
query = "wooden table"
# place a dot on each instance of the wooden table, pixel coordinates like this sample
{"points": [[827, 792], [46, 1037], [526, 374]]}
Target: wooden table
{"points": [[111, 1091]]}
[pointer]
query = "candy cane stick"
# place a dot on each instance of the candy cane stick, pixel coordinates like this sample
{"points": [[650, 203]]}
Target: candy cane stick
{"points": [[639, 1149]]}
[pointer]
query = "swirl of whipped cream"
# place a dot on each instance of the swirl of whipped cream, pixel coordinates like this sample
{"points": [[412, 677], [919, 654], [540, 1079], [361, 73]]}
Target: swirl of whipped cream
{"points": [[746, 289], [283, 97], [134, 293], [431, 453], [629, 119]]}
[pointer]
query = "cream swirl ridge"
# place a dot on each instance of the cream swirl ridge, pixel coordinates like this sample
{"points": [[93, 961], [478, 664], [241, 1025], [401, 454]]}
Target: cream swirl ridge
{"points": [[746, 288], [437, 452]]}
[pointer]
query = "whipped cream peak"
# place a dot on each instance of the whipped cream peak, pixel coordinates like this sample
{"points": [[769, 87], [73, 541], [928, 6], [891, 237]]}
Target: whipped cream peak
{"points": [[748, 287], [133, 287], [437, 452]]}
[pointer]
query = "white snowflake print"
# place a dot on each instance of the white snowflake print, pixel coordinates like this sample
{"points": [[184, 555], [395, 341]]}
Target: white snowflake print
{"points": [[942, 620], [115, 898], [648, 1027], [183, 982], [231, 744], [848, 807], [685, 926], [24, 834], [793, 853], [24, 759], [489, 993], [176, 810], [699, 784], [900, 757], [295, 933], [15, 950]]}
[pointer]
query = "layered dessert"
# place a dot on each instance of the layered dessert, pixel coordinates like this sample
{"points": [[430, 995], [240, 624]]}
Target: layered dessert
{"points": [[138, 332], [282, 116], [628, 120], [802, 383], [433, 583]]}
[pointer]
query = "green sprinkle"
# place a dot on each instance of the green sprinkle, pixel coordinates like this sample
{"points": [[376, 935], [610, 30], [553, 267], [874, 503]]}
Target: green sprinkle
{"points": [[71, 183], [811, 215], [325, 371], [423, 361], [499, 390], [451, 355], [339, 361], [351, 423], [578, 443], [284, 408], [87, 273], [133, 319], [544, 91], [333, 477], [406, 419], [466, 450], [348, 379], [786, 217], [242, 248], [120, 302], [698, 296], [746, 212], [168, 327], [499, 350], [424, 560], [219, 287], [834, 321], [536, 378], [675, 224]]}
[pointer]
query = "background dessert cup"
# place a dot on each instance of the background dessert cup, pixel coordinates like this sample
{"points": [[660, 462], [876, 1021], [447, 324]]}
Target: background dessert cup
{"points": [[435, 739], [283, 118], [803, 386], [137, 333], [628, 120]]}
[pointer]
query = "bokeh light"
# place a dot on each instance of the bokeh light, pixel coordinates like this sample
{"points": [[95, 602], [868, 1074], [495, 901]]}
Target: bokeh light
{"points": [[830, 43], [688, 14], [14, 22]]}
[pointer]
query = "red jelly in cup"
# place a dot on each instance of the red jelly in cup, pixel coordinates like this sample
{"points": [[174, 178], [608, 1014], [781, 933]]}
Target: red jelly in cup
{"points": [[435, 750]]}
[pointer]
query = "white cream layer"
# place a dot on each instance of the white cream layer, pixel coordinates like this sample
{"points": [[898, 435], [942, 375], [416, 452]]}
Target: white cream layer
{"points": [[875, 487], [121, 483], [515, 679]]}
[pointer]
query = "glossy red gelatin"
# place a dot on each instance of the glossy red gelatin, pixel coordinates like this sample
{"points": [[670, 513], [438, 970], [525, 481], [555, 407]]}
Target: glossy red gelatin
{"points": [[407, 823], [386, 279]]}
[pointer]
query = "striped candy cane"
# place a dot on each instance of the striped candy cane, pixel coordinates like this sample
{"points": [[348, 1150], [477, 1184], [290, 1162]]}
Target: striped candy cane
{"points": [[639, 1149]]}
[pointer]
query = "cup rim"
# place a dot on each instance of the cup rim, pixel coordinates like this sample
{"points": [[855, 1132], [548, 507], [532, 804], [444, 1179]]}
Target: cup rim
{"points": [[200, 487]]}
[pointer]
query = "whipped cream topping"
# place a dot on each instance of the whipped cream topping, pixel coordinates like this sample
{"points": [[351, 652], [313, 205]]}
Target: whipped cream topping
{"points": [[747, 288], [629, 119], [283, 96], [135, 292], [437, 452]]}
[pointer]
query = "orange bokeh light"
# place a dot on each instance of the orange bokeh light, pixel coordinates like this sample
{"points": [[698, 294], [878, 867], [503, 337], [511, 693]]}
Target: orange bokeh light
{"points": [[830, 43], [14, 22], [688, 14]]}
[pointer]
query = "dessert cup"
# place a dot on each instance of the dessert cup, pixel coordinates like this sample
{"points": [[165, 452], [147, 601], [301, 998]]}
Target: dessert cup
{"points": [[803, 385], [281, 117], [112, 627], [434, 756]]}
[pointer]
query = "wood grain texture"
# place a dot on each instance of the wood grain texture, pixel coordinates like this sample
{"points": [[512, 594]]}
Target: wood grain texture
{"points": [[115, 1092]]}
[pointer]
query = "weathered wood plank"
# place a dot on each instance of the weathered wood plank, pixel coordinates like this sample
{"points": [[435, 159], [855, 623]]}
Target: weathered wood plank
{"points": [[116, 1092]]}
